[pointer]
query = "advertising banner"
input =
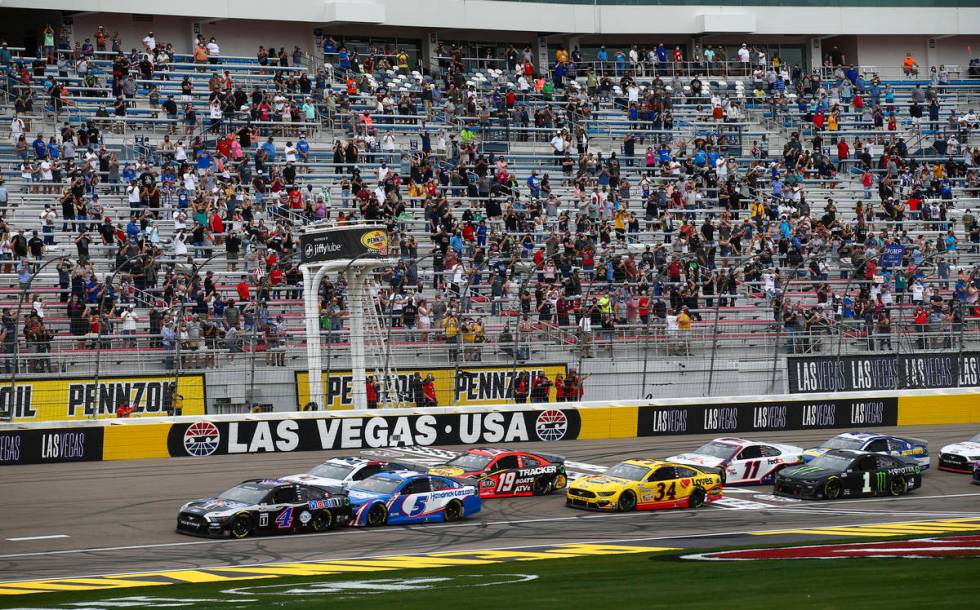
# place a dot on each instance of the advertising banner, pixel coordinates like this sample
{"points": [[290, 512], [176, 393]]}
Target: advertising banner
{"points": [[51, 445], [809, 374], [204, 438], [67, 398], [466, 386], [342, 244], [732, 418]]}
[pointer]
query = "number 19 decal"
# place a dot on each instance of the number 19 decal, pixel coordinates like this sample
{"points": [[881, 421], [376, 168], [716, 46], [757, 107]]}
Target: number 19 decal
{"points": [[505, 482]]}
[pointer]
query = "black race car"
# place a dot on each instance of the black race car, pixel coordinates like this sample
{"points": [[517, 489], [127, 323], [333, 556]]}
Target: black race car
{"points": [[265, 506], [847, 473]]}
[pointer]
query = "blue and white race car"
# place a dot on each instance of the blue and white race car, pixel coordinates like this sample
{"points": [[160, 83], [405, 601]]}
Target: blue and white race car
{"points": [[402, 497], [913, 449]]}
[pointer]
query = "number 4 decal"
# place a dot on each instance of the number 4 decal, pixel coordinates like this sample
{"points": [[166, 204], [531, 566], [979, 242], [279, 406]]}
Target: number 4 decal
{"points": [[285, 518]]}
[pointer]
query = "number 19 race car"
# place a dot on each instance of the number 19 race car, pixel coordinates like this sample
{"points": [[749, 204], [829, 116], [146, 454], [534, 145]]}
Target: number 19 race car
{"points": [[960, 457], [405, 497], [501, 473], [742, 462], [915, 449], [845, 473], [646, 485], [264, 506]]}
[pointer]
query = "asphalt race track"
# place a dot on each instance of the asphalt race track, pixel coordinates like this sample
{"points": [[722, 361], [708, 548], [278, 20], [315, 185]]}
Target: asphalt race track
{"points": [[89, 519]]}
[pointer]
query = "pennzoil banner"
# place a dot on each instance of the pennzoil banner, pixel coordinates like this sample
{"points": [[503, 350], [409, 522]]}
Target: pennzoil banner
{"points": [[34, 400], [466, 386]]}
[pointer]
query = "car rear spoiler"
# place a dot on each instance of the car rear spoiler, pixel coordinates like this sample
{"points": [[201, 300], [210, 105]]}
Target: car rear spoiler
{"points": [[711, 470]]}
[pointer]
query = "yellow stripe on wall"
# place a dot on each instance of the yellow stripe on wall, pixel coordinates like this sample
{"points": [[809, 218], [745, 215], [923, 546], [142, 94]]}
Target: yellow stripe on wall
{"points": [[130, 442], [608, 422], [939, 409]]}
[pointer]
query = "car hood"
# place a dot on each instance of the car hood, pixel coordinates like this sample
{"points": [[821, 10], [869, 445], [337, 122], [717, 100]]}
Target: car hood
{"points": [[358, 497], [816, 452], [967, 448], [697, 459], [203, 506], [450, 471], [804, 472], [311, 479], [600, 482]]}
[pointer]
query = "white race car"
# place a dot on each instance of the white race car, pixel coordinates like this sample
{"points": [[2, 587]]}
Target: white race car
{"points": [[741, 461], [960, 457], [342, 471]]}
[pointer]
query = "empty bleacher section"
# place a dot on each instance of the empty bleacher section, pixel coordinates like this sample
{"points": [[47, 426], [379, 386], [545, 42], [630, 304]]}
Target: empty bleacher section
{"points": [[659, 225]]}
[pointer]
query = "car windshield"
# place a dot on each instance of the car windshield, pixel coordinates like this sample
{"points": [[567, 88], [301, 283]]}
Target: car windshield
{"points": [[378, 484], [843, 442], [469, 462], [245, 493], [834, 463], [718, 450], [628, 471], [976, 438], [337, 472]]}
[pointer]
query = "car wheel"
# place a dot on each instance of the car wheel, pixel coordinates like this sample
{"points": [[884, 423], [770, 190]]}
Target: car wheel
{"points": [[897, 486], [322, 521], [559, 482], [378, 515], [542, 486], [723, 474], [697, 497], [627, 501], [453, 511], [241, 527], [832, 488]]}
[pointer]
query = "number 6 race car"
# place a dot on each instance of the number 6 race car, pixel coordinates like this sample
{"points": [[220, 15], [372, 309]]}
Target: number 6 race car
{"points": [[845, 473], [405, 497], [742, 462], [273, 507], [501, 473], [646, 485]]}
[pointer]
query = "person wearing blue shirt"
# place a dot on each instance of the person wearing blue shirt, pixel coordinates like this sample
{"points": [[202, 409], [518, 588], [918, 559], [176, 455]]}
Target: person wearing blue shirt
{"points": [[54, 150], [663, 155], [303, 148], [456, 243], [343, 59], [620, 63], [777, 188], [661, 53], [40, 148], [128, 174], [534, 184], [4, 55], [203, 159], [132, 229], [182, 200], [700, 157], [270, 150], [712, 158], [481, 234]]}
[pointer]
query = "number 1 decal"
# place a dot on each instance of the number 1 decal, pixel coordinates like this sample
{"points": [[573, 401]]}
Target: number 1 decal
{"points": [[285, 518], [867, 483]]}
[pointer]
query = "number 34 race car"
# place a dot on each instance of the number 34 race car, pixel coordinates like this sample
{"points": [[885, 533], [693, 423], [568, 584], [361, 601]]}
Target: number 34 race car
{"points": [[646, 485], [845, 473], [258, 506], [405, 497], [501, 473]]}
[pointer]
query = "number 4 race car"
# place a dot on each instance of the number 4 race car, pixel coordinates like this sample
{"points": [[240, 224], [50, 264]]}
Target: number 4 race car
{"points": [[405, 497], [501, 473], [273, 507], [913, 448], [742, 462], [845, 473], [646, 485]]}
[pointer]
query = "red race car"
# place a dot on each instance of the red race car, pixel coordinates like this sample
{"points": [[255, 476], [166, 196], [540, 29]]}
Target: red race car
{"points": [[502, 473]]}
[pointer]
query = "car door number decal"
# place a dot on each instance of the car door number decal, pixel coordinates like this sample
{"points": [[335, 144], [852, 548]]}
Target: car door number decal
{"points": [[505, 482], [263, 519], [663, 490], [752, 469], [285, 518]]}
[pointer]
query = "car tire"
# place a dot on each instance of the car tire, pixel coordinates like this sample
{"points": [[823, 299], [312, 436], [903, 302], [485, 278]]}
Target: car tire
{"points": [[541, 486], [559, 482], [627, 502], [453, 511], [241, 527], [697, 498], [377, 515], [322, 521], [832, 488], [897, 486]]}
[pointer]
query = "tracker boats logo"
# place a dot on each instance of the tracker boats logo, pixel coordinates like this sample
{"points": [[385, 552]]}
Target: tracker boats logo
{"points": [[201, 439], [551, 425]]}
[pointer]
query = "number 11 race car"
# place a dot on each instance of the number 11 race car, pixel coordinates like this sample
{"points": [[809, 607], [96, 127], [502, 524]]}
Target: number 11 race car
{"points": [[501, 473], [845, 473], [646, 485], [742, 462], [264, 506]]}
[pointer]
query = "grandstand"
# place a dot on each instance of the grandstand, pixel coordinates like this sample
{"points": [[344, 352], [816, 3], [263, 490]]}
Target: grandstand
{"points": [[670, 216]]}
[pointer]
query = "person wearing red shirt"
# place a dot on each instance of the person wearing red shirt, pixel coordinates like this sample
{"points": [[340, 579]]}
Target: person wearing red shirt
{"points": [[295, 199], [244, 294], [429, 391], [559, 388], [843, 151], [643, 307], [217, 228], [372, 393], [275, 281]]}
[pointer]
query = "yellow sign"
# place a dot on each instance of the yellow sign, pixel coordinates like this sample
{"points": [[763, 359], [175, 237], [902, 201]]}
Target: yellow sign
{"points": [[376, 241], [474, 385], [938, 409], [76, 398]]}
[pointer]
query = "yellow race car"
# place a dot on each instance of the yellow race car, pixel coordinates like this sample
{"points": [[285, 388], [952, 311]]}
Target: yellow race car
{"points": [[646, 485]]}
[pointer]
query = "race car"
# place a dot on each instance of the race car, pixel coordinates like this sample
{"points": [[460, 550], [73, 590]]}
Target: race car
{"points": [[502, 473], [342, 471], [847, 473], [875, 443], [741, 461], [264, 506], [960, 457], [646, 485], [976, 473], [404, 496]]}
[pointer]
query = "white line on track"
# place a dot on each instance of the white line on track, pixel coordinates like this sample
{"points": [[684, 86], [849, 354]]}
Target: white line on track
{"points": [[26, 538]]}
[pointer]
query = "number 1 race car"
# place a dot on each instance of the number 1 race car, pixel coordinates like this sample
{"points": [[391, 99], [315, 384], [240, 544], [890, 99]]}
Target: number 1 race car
{"points": [[646, 485], [742, 462], [342, 471], [404, 497], [845, 473], [258, 506], [913, 448], [959, 457], [501, 473]]}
